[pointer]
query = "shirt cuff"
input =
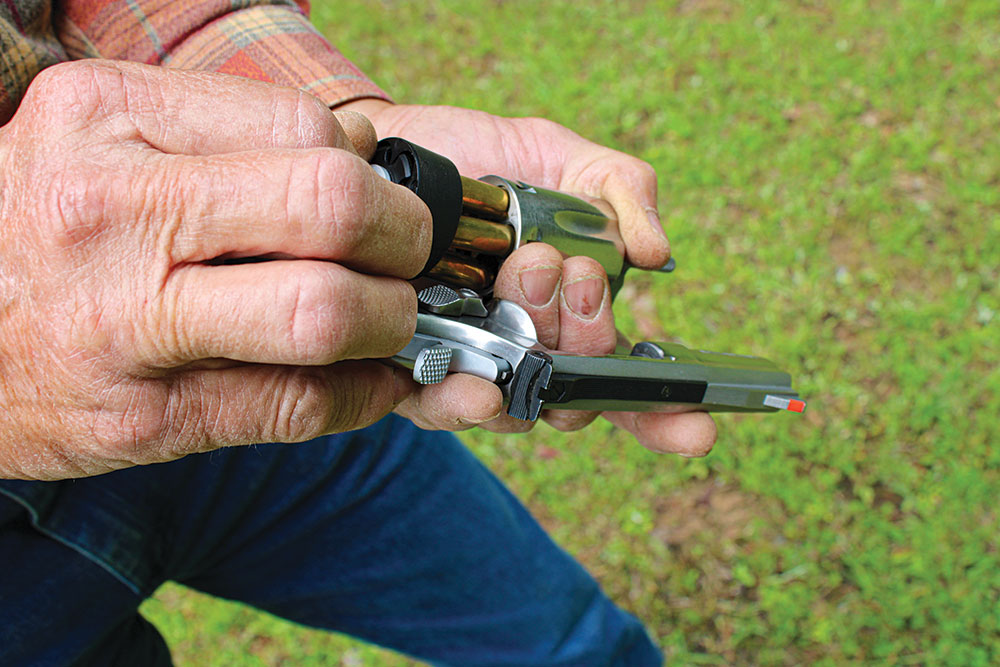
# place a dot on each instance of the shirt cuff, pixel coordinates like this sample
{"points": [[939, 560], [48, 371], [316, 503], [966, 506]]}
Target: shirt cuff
{"points": [[279, 45]]}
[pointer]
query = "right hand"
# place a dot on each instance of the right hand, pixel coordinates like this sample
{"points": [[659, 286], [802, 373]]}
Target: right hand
{"points": [[123, 339]]}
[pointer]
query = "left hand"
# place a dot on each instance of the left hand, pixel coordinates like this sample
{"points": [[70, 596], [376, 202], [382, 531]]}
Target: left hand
{"points": [[568, 300]]}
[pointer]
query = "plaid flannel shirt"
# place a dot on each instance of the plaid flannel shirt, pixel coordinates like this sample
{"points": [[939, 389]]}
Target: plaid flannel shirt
{"points": [[259, 39]]}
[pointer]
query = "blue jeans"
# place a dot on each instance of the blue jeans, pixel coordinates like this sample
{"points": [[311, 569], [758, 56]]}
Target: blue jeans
{"points": [[392, 534]]}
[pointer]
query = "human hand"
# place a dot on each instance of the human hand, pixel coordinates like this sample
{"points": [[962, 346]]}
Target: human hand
{"points": [[123, 337], [568, 299]]}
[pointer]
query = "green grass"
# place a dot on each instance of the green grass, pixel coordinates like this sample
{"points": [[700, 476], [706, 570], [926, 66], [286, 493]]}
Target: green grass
{"points": [[830, 174]]}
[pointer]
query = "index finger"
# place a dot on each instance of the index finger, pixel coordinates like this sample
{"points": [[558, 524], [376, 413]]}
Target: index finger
{"points": [[317, 203], [630, 186], [203, 113]]}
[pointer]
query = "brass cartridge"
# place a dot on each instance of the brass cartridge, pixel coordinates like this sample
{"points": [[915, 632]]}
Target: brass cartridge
{"points": [[483, 237], [482, 200], [462, 273]]}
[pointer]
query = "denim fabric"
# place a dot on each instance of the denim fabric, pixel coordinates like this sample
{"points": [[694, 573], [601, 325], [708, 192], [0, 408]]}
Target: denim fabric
{"points": [[391, 534]]}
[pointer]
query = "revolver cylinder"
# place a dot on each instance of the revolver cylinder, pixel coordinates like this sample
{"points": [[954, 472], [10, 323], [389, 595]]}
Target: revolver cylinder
{"points": [[478, 223]]}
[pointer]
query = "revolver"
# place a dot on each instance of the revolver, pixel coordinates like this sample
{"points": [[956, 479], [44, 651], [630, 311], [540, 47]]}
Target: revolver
{"points": [[461, 329]]}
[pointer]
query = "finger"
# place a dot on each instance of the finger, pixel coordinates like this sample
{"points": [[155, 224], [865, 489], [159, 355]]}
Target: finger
{"points": [[280, 312], [632, 193], [586, 325], [360, 131], [507, 424], [689, 434], [530, 277], [630, 186], [458, 403], [254, 404], [201, 113], [315, 203]]}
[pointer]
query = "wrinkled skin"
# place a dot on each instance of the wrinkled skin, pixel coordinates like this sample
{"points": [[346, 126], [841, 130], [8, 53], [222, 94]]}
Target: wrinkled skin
{"points": [[122, 339]]}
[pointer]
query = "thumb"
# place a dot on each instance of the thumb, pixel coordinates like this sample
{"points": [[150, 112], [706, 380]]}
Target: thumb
{"points": [[360, 131]]}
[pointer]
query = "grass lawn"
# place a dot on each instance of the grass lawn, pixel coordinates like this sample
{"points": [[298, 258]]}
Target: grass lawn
{"points": [[830, 176]]}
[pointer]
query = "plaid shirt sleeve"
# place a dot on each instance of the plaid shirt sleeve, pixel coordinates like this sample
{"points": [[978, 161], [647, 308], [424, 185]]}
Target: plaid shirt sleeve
{"points": [[27, 46], [259, 39], [269, 40]]}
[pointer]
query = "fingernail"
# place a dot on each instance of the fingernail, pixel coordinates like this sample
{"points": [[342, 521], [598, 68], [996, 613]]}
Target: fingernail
{"points": [[539, 284], [654, 222], [585, 297]]}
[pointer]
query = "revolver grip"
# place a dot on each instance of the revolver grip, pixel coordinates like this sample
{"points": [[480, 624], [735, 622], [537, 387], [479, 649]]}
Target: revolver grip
{"points": [[569, 224]]}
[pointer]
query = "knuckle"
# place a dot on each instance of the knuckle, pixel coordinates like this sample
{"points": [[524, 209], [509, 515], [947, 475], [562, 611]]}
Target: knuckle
{"points": [[332, 317], [75, 206], [556, 137], [544, 126], [624, 170], [347, 196], [636, 165], [166, 326], [314, 124], [305, 322], [644, 171], [321, 318], [61, 78], [130, 427], [331, 191], [310, 402], [361, 400], [71, 91], [349, 412], [158, 198], [303, 403], [387, 313]]}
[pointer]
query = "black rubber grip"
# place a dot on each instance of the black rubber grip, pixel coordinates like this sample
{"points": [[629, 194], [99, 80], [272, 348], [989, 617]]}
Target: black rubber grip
{"points": [[433, 178]]}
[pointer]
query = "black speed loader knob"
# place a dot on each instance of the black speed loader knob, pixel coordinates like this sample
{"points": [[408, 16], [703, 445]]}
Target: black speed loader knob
{"points": [[430, 176]]}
